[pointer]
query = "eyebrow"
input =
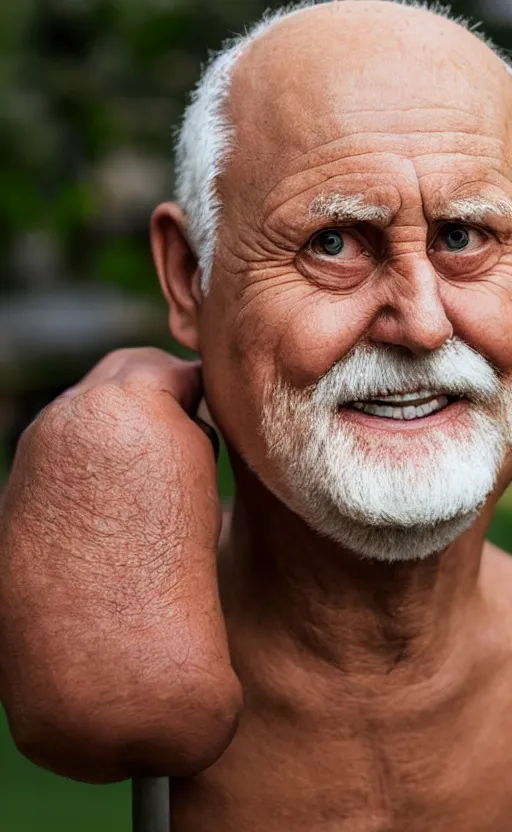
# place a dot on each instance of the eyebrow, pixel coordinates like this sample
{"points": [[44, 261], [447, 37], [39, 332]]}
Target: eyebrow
{"points": [[348, 208], [474, 209]]}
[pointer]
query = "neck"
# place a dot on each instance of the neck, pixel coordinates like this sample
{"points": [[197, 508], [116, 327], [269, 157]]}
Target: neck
{"points": [[360, 616]]}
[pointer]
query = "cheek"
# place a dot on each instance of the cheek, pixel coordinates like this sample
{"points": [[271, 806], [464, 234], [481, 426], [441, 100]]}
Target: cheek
{"points": [[481, 315], [318, 335], [298, 332]]}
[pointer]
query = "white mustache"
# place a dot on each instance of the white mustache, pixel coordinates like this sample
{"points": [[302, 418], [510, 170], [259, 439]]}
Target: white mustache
{"points": [[370, 370]]}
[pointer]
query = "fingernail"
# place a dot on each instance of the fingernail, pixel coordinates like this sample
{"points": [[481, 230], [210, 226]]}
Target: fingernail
{"points": [[71, 391]]}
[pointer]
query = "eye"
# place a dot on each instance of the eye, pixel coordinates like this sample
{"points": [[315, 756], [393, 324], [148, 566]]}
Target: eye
{"points": [[332, 243], [454, 238]]}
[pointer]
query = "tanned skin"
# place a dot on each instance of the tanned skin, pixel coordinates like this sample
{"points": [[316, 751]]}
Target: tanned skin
{"points": [[376, 697]]}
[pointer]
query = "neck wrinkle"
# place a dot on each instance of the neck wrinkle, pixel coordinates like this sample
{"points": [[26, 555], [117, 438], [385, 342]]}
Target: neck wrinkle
{"points": [[304, 594]]}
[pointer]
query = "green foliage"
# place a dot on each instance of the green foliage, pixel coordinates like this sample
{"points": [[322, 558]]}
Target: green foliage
{"points": [[124, 262], [82, 84]]}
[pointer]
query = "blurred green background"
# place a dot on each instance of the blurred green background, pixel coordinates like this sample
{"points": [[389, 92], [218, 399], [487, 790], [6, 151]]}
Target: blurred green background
{"points": [[90, 91]]}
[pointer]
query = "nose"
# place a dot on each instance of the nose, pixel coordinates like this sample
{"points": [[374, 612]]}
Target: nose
{"points": [[414, 315]]}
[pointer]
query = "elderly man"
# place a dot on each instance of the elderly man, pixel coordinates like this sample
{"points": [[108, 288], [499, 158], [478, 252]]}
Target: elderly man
{"points": [[341, 258]]}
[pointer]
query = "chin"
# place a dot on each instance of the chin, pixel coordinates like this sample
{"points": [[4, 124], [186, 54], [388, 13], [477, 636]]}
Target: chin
{"points": [[393, 544], [379, 503]]}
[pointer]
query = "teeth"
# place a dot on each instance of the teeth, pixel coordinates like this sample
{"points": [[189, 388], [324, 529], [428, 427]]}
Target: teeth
{"points": [[407, 397], [405, 413]]}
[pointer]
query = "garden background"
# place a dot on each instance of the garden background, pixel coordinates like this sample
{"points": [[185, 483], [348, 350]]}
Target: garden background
{"points": [[90, 91]]}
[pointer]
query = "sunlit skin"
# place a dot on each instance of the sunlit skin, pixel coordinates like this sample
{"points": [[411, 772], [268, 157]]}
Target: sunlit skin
{"points": [[377, 697]]}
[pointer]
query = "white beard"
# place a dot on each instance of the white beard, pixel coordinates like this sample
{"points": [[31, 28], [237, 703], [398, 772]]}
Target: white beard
{"points": [[382, 495]]}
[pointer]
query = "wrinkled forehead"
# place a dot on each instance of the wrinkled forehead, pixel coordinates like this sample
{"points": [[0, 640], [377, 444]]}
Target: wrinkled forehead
{"points": [[339, 91]]}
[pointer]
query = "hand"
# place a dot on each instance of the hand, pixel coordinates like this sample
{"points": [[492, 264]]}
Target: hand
{"points": [[113, 652]]}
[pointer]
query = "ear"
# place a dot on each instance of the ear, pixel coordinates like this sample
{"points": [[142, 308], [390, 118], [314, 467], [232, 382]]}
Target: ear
{"points": [[178, 272]]}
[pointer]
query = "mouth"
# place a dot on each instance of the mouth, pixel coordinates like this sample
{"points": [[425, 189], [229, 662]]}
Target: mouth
{"points": [[405, 407]]}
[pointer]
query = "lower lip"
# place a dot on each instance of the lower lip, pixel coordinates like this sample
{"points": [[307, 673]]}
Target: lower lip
{"points": [[448, 414]]}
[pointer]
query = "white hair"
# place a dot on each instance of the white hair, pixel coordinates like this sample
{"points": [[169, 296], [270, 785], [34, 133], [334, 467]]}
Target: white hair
{"points": [[387, 495], [206, 135]]}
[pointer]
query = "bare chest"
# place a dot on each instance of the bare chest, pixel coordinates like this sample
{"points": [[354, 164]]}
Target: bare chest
{"points": [[270, 781]]}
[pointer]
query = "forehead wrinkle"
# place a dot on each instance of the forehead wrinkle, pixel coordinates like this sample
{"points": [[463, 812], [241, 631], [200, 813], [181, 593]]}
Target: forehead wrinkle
{"points": [[380, 152], [348, 207], [325, 166], [399, 133], [475, 209]]}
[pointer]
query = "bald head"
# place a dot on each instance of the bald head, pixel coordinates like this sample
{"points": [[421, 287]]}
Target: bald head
{"points": [[351, 55], [308, 76], [326, 72]]}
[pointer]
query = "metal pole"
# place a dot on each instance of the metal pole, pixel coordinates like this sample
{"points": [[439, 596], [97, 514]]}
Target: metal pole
{"points": [[151, 805]]}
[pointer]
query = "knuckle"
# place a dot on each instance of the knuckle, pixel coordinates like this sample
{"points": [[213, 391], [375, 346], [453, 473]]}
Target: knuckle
{"points": [[121, 355], [135, 358], [47, 436], [102, 423], [102, 400], [39, 440], [143, 377], [113, 410], [106, 430], [138, 353], [151, 368]]}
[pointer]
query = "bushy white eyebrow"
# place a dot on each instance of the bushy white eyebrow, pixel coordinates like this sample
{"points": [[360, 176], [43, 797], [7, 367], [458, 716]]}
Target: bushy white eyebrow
{"points": [[475, 209], [348, 208], [206, 136]]}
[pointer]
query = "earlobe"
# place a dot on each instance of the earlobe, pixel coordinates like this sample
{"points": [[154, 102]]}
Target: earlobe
{"points": [[178, 272]]}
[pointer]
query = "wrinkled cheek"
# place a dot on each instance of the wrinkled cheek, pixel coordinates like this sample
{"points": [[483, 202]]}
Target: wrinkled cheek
{"points": [[481, 316], [312, 342], [299, 344], [288, 335], [236, 363]]}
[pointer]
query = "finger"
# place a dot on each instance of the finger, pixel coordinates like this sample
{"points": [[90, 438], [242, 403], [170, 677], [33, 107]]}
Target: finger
{"points": [[109, 367], [146, 368], [184, 381]]}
